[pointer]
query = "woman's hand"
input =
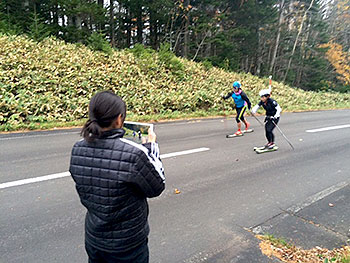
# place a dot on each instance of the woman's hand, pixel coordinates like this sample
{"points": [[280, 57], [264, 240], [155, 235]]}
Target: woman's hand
{"points": [[151, 136]]}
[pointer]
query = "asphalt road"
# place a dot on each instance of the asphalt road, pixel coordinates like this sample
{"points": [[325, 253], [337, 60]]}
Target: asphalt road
{"points": [[224, 190]]}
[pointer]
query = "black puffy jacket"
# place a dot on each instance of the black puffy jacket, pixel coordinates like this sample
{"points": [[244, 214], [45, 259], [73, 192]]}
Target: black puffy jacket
{"points": [[113, 177]]}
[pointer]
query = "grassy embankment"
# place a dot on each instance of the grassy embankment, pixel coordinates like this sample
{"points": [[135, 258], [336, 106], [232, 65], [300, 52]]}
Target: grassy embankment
{"points": [[48, 84]]}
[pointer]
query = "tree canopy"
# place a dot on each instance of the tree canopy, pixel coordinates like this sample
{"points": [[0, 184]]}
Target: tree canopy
{"points": [[305, 43]]}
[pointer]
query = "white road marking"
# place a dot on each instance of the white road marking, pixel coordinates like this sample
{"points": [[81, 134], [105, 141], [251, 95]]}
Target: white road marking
{"points": [[66, 174], [34, 180], [262, 229], [169, 155], [329, 128], [316, 197], [38, 135]]}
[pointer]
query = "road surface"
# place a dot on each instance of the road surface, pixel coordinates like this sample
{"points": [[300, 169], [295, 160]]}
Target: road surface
{"points": [[225, 187]]}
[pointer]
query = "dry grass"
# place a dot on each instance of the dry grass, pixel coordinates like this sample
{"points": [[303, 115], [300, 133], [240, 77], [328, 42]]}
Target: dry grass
{"points": [[273, 247]]}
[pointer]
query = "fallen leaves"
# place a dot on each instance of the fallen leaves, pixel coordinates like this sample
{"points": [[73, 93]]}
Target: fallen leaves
{"points": [[177, 191], [293, 254]]}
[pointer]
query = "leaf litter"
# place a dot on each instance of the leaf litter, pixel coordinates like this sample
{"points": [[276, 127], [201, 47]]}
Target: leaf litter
{"points": [[293, 254]]}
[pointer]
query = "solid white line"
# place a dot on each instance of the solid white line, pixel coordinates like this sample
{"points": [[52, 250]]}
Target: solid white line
{"points": [[316, 197], [66, 174], [329, 128], [261, 229]]}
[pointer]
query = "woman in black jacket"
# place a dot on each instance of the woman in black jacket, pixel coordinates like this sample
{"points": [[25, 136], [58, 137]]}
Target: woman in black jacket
{"points": [[114, 177]]}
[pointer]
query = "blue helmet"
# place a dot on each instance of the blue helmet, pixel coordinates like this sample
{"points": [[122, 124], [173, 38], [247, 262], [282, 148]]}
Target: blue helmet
{"points": [[237, 84]]}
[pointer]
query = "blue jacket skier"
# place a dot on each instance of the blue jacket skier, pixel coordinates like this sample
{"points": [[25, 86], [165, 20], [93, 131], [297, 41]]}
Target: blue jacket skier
{"points": [[242, 103]]}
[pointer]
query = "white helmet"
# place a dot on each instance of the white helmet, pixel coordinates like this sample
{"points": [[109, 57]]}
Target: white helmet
{"points": [[264, 92]]}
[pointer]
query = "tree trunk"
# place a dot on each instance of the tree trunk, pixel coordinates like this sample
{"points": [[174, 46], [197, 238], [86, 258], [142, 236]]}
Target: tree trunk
{"points": [[101, 25], [208, 50], [55, 13], [303, 54], [246, 66], [78, 21], [200, 45], [277, 42], [128, 30], [139, 24], [259, 59], [100, 3], [297, 38], [111, 22], [186, 32], [153, 29]]}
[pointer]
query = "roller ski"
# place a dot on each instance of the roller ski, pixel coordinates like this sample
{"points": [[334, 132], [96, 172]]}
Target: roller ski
{"points": [[267, 148], [236, 134], [247, 131]]}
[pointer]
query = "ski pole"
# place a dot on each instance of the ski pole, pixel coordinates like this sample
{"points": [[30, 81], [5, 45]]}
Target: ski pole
{"points": [[224, 111], [257, 119], [278, 128]]}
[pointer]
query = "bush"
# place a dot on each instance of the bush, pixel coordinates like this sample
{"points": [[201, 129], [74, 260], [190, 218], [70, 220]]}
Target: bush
{"points": [[97, 42], [207, 65], [51, 81], [140, 51], [168, 58]]}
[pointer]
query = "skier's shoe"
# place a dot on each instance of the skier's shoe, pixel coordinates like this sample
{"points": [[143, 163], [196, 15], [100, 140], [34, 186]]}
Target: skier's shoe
{"points": [[247, 127], [266, 146], [236, 134], [239, 133], [270, 145]]}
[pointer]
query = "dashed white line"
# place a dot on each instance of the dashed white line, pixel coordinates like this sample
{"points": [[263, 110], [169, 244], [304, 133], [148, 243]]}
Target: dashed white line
{"points": [[38, 135], [34, 180], [66, 174], [169, 155], [329, 128]]}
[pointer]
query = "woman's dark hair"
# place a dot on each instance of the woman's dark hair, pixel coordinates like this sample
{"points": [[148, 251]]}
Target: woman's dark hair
{"points": [[104, 108]]}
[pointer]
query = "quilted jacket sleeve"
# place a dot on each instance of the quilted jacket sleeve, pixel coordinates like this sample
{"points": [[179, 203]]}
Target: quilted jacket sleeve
{"points": [[150, 171]]}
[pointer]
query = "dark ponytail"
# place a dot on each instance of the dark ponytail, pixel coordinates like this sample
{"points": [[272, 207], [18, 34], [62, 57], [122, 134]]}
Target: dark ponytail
{"points": [[104, 108]]}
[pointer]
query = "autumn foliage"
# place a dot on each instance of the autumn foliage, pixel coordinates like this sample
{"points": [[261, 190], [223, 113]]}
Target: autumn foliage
{"points": [[340, 61]]}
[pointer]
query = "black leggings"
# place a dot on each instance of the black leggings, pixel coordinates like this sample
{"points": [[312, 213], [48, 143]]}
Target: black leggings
{"points": [[269, 127], [240, 114], [136, 255]]}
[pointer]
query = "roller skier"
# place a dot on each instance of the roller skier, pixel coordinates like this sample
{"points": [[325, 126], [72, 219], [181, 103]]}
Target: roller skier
{"points": [[273, 113], [242, 103]]}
